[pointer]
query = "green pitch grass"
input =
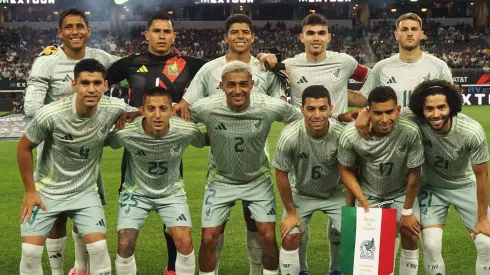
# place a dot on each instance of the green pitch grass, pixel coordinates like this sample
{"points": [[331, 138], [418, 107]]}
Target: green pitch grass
{"points": [[458, 249]]}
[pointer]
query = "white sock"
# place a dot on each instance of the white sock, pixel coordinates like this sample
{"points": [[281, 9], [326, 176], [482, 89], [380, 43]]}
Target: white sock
{"points": [[185, 264], [219, 248], [100, 262], [334, 245], [81, 254], [269, 272], [432, 241], [56, 254], [409, 262], [125, 266], [482, 243], [30, 262], [206, 273], [289, 261], [254, 252], [303, 246]]}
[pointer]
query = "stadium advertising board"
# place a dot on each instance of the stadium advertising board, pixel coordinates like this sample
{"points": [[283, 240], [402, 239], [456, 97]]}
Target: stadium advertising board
{"points": [[476, 86], [28, 2], [13, 85]]}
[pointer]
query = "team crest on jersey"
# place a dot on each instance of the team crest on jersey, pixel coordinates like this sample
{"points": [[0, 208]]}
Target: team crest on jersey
{"points": [[256, 83], [427, 77], [173, 69], [336, 75], [458, 152], [103, 132], [175, 151], [401, 149], [256, 126]]}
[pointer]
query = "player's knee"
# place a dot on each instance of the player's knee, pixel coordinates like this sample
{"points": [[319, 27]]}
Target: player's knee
{"points": [[267, 237], [482, 243], [291, 241], [31, 254], [97, 248], [125, 248], [184, 244], [432, 240], [209, 240]]}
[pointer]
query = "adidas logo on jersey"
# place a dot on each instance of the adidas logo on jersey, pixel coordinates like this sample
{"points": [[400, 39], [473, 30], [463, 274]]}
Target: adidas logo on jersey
{"points": [[67, 78], [302, 80], [302, 155], [391, 81], [221, 126], [181, 218], [142, 69], [101, 223], [271, 212], [140, 153], [67, 137]]}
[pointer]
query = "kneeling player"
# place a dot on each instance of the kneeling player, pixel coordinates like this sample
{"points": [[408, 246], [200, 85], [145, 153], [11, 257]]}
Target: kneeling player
{"points": [[307, 151], [389, 168], [455, 172], [156, 143]]}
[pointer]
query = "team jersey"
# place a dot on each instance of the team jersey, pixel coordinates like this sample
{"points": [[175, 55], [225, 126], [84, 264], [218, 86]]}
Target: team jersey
{"points": [[333, 72], [146, 70], [207, 81], [153, 164], [384, 161], [238, 138], [73, 146], [312, 162], [51, 75], [403, 76], [449, 158]]}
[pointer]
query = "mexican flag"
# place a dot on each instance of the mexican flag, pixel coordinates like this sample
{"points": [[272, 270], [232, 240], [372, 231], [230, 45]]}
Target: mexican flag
{"points": [[367, 241]]}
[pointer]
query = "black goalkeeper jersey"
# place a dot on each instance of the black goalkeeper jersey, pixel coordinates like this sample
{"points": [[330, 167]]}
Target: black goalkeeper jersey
{"points": [[144, 71]]}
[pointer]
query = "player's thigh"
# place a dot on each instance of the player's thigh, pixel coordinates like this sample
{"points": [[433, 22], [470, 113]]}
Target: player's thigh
{"points": [[133, 210], [304, 210], [87, 214], [434, 206], [466, 203], [218, 201], [261, 200], [332, 207], [41, 221], [174, 210]]}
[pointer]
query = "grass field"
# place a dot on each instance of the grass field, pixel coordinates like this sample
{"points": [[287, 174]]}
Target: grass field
{"points": [[458, 249]]}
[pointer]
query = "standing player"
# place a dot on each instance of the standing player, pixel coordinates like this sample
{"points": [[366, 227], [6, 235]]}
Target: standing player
{"points": [[389, 168], [455, 172], [307, 151], [239, 37], [73, 130], [238, 123], [155, 145], [49, 79], [410, 66], [158, 66]]}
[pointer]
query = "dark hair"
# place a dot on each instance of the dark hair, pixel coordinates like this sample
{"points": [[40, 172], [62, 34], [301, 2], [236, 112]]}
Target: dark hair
{"points": [[89, 65], [72, 11], [159, 16], [237, 18], [157, 91], [315, 91], [382, 94], [314, 19], [435, 87]]}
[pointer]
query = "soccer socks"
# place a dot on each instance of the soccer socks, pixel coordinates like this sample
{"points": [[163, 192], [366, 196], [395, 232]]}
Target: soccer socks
{"points": [[100, 262], [30, 263], [432, 241], [254, 252], [409, 262], [482, 243], [206, 273], [270, 272], [219, 248], [81, 254], [125, 266], [185, 264], [303, 246], [334, 245], [289, 261], [56, 254]]}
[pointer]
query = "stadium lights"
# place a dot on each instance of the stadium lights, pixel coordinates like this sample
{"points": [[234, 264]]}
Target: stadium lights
{"points": [[170, 12], [55, 12], [472, 3], [414, 0], [87, 12], [393, 10], [424, 9]]}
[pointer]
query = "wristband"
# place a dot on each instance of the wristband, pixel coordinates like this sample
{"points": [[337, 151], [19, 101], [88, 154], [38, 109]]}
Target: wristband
{"points": [[407, 212]]}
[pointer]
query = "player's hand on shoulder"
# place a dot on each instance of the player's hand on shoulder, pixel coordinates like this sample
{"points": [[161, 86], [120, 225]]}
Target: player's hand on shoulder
{"points": [[126, 117], [31, 200], [411, 224], [362, 123], [349, 116], [268, 61], [289, 222], [182, 109], [49, 50], [483, 227]]}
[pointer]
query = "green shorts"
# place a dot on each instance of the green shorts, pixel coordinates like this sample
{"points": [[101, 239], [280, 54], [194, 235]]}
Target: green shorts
{"points": [[306, 206], [134, 208], [219, 198], [86, 212], [396, 203], [435, 202]]}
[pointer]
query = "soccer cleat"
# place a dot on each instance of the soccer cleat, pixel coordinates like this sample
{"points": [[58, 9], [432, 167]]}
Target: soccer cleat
{"points": [[336, 272], [169, 272], [73, 271], [303, 273]]}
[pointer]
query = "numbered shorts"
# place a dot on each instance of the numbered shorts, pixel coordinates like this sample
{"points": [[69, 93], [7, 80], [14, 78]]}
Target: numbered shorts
{"points": [[397, 204], [86, 212], [435, 202], [134, 208], [219, 198], [306, 206]]}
